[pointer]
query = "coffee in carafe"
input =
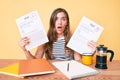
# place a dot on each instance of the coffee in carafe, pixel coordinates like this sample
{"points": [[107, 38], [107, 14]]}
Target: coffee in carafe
{"points": [[101, 57]]}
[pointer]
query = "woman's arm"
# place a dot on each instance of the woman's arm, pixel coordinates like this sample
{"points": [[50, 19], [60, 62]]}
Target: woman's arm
{"points": [[77, 56], [25, 41], [40, 51]]}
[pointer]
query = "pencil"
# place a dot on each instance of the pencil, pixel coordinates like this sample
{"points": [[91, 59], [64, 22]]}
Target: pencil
{"points": [[68, 67]]}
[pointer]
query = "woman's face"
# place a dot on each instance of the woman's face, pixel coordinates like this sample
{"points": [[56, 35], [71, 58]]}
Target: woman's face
{"points": [[60, 23]]}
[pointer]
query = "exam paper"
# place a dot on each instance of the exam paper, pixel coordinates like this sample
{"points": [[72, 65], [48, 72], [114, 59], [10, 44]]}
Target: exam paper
{"points": [[30, 26], [86, 31]]}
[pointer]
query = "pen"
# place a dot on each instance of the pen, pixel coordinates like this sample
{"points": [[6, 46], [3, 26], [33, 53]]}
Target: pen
{"points": [[68, 67]]}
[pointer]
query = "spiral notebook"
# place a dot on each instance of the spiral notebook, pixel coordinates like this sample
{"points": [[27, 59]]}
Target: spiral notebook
{"points": [[73, 69]]}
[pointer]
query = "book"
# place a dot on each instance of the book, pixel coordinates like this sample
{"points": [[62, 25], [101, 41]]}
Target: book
{"points": [[73, 69], [86, 31], [28, 68], [10, 70]]}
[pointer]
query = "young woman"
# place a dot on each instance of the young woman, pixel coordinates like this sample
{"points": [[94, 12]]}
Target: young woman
{"points": [[59, 35]]}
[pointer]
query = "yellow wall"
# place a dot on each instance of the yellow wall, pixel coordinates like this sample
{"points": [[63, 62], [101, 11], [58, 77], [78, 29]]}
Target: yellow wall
{"points": [[104, 12]]}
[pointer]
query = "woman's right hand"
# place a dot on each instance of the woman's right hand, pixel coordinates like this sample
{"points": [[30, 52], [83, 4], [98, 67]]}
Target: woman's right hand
{"points": [[23, 42]]}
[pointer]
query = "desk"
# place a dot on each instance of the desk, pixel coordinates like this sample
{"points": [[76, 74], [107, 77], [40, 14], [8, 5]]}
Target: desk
{"points": [[112, 73]]}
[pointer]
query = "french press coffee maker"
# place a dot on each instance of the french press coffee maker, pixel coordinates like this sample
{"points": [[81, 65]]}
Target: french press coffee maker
{"points": [[101, 57]]}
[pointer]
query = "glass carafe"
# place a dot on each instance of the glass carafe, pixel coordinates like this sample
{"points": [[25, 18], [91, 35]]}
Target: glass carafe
{"points": [[101, 57]]}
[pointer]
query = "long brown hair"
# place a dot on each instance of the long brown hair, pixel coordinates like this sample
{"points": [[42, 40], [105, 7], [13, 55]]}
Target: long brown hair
{"points": [[52, 35]]}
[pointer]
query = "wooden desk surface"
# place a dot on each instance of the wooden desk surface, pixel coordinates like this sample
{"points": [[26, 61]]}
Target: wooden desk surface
{"points": [[112, 73]]}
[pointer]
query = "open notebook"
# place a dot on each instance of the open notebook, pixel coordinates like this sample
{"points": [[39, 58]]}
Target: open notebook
{"points": [[28, 68], [75, 70]]}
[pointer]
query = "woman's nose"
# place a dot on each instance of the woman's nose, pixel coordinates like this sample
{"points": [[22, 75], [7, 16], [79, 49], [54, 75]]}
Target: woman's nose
{"points": [[59, 22]]}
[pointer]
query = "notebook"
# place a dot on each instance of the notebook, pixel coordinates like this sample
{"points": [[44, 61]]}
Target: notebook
{"points": [[73, 69], [28, 68], [10, 70]]}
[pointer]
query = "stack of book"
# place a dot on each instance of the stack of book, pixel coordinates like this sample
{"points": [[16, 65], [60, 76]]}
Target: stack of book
{"points": [[28, 68]]}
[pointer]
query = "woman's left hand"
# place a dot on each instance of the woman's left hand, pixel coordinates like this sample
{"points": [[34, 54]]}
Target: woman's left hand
{"points": [[92, 44]]}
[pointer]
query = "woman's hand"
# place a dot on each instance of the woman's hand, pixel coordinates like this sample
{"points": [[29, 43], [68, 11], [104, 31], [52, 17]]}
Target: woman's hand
{"points": [[23, 42], [92, 45]]}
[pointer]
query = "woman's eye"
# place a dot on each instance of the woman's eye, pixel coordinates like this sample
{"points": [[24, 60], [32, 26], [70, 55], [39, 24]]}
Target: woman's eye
{"points": [[63, 19]]}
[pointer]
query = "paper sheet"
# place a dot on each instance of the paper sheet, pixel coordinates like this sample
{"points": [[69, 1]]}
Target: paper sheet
{"points": [[86, 31], [30, 26]]}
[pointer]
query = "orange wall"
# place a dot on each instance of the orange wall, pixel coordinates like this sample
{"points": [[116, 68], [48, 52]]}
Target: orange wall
{"points": [[104, 12]]}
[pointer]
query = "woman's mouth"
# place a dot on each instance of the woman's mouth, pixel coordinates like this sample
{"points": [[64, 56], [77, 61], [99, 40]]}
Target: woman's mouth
{"points": [[59, 28]]}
